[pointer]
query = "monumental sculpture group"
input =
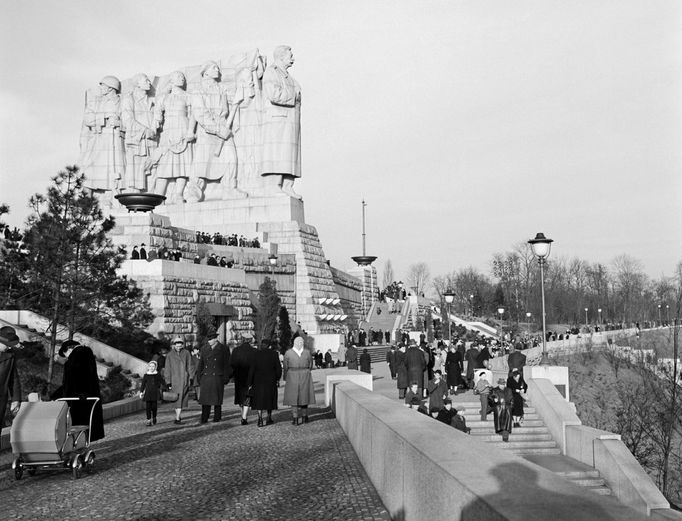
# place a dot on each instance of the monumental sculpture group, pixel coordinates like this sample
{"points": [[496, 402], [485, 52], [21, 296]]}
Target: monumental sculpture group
{"points": [[199, 133]]}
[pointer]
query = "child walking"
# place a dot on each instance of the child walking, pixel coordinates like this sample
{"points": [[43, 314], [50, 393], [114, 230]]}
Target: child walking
{"points": [[153, 385]]}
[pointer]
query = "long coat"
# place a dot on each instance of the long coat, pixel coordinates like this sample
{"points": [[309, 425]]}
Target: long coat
{"points": [[298, 389], [453, 367], [341, 354], [213, 373], [516, 360], [416, 365], [517, 387], [401, 370], [470, 357], [81, 379], [365, 363], [390, 358], [265, 371], [9, 382], [501, 400], [178, 371], [352, 357], [281, 123], [241, 361]]}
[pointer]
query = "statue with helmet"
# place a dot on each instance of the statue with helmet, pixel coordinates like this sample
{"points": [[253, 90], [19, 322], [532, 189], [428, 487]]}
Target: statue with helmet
{"points": [[102, 146]]}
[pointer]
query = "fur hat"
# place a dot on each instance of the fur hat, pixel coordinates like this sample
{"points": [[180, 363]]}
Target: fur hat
{"points": [[68, 344], [8, 336]]}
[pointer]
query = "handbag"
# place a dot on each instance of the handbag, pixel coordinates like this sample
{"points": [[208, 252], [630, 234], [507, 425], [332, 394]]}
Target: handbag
{"points": [[169, 396]]}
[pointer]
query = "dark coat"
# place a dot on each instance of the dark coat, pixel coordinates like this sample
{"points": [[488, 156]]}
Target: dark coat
{"points": [[152, 387], [81, 380], [446, 416], [501, 401], [516, 360], [365, 363], [482, 357], [390, 358], [401, 370], [454, 367], [241, 360], [213, 373], [459, 422], [470, 357], [352, 357], [416, 365], [265, 371], [10, 388], [437, 394], [517, 388]]}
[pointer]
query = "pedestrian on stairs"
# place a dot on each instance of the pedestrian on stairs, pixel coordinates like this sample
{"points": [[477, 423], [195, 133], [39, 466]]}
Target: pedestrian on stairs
{"points": [[518, 385], [501, 398], [390, 360], [401, 371], [352, 357], [341, 356], [365, 362]]}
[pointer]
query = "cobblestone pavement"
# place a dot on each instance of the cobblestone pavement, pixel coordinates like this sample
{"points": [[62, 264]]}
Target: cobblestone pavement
{"points": [[216, 471]]}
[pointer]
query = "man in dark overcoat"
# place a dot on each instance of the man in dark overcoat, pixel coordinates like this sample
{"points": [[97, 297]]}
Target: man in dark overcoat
{"points": [[416, 365], [516, 360], [390, 359], [352, 357], [10, 387], [213, 373], [470, 357], [401, 371], [241, 360]]}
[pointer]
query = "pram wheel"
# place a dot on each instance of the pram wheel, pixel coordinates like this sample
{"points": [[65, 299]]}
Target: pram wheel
{"points": [[18, 468], [90, 462], [77, 467]]}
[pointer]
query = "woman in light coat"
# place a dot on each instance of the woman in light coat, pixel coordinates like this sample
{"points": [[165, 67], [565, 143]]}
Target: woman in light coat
{"points": [[178, 371], [298, 389]]}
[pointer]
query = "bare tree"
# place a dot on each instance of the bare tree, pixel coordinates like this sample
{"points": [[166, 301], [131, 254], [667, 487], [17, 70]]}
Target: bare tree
{"points": [[418, 275], [388, 276], [629, 281]]}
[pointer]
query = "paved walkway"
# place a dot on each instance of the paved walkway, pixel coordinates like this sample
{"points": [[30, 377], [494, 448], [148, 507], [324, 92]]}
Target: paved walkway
{"points": [[220, 471]]}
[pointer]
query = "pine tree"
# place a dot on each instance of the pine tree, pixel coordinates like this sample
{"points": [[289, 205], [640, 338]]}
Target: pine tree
{"points": [[284, 329]]}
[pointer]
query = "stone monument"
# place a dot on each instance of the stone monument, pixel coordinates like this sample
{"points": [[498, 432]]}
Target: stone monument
{"points": [[222, 142]]}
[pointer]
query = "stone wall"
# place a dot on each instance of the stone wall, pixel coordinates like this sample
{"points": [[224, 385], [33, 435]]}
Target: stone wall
{"points": [[349, 289]]}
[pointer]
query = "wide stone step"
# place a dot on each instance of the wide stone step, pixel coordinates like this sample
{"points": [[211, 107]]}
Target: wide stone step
{"points": [[474, 415], [514, 436], [589, 482], [529, 451], [601, 490], [523, 444], [477, 423], [478, 431], [578, 474]]}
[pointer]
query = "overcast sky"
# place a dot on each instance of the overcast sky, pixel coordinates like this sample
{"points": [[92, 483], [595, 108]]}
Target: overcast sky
{"points": [[467, 126]]}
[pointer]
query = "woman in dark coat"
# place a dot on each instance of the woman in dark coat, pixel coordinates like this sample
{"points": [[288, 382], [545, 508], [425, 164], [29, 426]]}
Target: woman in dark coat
{"points": [[264, 374], [401, 372], [501, 398], [453, 368], [518, 385], [365, 362], [352, 357], [81, 381], [241, 361]]}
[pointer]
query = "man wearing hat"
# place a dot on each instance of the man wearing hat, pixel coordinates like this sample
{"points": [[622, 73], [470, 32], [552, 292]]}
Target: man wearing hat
{"points": [[447, 413], [10, 386], [501, 398], [213, 373]]}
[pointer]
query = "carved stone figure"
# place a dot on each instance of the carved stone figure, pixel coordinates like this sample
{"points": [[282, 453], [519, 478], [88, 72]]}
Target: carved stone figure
{"points": [[248, 122], [173, 157], [215, 155], [281, 160], [137, 116], [102, 151]]}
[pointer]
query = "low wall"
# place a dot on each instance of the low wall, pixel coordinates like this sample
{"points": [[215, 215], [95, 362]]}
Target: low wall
{"points": [[343, 374], [100, 349], [423, 469], [555, 411]]}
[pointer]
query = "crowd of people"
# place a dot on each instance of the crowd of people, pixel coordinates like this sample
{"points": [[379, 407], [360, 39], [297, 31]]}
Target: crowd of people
{"points": [[227, 240], [161, 252]]}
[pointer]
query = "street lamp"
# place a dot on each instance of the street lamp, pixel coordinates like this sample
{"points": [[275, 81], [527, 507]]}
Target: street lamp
{"points": [[500, 310], [659, 315], [585, 318], [667, 314], [471, 303], [599, 311], [528, 323], [541, 246], [273, 261], [449, 298]]}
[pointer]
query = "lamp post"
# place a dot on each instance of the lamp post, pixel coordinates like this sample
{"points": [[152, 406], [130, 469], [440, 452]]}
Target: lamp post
{"points": [[471, 303], [586, 318], [500, 310], [273, 261], [667, 314], [599, 311], [541, 246], [449, 297], [528, 314], [659, 315]]}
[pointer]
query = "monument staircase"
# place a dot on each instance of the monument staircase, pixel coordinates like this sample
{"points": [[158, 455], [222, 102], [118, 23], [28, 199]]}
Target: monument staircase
{"points": [[532, 441], [380, 318], [33, 327]]}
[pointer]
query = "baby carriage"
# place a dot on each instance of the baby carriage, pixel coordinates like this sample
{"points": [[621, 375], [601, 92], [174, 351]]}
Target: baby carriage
{"points": [[42, 437]]}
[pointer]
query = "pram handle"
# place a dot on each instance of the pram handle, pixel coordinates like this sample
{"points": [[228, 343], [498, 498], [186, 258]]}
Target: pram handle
{"points": [[94, 399]]}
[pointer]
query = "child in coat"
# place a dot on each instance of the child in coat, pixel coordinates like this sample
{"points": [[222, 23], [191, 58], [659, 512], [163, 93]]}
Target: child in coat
{"points": [[151, 391]]}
